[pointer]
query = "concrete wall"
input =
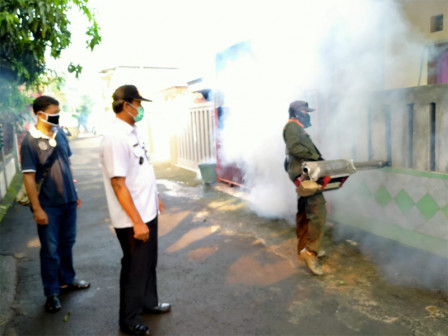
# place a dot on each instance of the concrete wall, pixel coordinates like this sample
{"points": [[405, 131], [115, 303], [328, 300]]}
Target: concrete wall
{"points": [[407, 202], [10, 168], [419, 14], [411, 150], [405, 205], [412, 68]]}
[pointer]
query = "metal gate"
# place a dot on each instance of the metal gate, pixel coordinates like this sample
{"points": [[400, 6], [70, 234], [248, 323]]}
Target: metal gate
{"points": [[196, 142]]}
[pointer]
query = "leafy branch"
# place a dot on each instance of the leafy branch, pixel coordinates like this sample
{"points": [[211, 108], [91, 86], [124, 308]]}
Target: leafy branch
{"points": [[28, 28]]}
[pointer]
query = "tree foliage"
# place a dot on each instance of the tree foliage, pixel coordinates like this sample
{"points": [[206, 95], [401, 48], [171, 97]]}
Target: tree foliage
{"points": [[28, 28]]}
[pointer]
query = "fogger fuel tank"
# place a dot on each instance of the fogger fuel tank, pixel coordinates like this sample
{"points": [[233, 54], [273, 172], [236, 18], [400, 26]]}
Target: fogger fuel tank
{"points": [[332, 174]]}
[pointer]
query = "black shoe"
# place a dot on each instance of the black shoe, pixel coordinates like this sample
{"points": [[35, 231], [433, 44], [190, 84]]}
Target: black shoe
{"points": [[75, 285], [53, 305], [161, 308], [138, 329]]}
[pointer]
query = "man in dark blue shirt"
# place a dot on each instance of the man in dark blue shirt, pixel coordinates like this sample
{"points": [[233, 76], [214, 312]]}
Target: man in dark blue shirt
{"points": [[45, 161]]}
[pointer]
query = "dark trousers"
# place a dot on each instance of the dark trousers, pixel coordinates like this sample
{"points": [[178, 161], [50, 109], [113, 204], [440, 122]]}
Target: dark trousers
{"points": [[138, 280], [310, 222], [57, 240]]}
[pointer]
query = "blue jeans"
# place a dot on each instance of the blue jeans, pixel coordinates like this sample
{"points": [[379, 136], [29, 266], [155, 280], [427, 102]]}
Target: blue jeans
{"points": [[57, 240]]}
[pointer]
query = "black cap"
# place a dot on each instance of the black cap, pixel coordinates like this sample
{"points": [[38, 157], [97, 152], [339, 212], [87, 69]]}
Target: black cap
{"points": [[300, 105], [128, 93]]}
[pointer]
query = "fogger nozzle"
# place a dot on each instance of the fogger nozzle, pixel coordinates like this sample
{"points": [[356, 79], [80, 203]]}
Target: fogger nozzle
{"points": [[372, 164]]}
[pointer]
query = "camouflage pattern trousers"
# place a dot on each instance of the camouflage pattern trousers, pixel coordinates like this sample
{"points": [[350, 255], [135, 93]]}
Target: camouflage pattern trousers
{"points": [[310, 222]]}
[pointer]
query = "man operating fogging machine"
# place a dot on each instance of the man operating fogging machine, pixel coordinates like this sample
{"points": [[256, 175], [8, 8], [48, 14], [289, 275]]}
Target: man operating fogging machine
{"points": [[312, 176], [311, 210]]}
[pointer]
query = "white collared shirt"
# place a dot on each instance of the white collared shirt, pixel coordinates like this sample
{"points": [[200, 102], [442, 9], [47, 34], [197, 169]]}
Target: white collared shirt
{"points": [[123, 155]]}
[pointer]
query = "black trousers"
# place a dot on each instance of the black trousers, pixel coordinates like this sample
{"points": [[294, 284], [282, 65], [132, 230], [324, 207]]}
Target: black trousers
{"points": [[138, 279]]}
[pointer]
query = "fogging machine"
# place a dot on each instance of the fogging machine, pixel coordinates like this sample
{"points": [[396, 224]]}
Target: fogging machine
{"points": [[320, 176]]}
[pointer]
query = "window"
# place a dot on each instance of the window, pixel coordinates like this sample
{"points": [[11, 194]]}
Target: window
{"points": [[436, 23]]}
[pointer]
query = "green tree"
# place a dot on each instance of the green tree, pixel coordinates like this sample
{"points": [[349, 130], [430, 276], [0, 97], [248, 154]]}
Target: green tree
{"points": [[28, 28]]}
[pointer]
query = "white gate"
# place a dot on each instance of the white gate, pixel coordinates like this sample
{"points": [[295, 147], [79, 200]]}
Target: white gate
{"points": [[196, 142]]}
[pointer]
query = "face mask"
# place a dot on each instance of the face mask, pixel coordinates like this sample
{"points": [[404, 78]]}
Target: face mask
{"points": [[51, 119], [140, 113], [305, 119]]}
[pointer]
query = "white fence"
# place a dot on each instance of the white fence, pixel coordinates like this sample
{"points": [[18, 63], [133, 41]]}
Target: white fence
{"points": [[9, 159], [195, 143], [8, 169]]}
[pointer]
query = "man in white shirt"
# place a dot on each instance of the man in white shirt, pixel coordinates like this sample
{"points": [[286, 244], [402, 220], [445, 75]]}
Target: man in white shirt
{"points": [[133, 202]]}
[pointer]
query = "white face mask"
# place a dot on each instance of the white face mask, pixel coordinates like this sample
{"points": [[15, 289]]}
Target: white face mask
{"points": [[51, 119]]}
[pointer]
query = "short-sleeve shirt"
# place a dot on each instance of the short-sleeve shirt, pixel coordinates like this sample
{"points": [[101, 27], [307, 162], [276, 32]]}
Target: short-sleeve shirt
{"points": [[37, 155], [123, 154]]}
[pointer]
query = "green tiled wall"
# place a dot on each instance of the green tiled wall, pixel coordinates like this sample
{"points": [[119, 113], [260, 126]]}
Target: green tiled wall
{"points": [[402, 204]]}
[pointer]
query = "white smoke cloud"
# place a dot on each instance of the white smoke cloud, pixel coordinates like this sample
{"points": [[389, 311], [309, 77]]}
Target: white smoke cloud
{"points": [[337, 47], [344, 51]]}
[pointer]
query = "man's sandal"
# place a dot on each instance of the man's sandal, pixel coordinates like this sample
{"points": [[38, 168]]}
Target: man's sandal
{"points": [[75, 285]]}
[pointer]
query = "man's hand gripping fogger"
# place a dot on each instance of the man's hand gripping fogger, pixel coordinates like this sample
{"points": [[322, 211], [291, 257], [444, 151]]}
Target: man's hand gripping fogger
{"points": [[305, 187]]}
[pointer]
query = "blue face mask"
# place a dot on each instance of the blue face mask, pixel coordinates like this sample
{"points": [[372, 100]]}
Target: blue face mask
{"points": [[140, 113], [305, 119]]}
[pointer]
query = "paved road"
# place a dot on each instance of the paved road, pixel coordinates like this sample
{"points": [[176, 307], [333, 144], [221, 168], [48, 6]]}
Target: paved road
{"points": [[225, 271]]}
